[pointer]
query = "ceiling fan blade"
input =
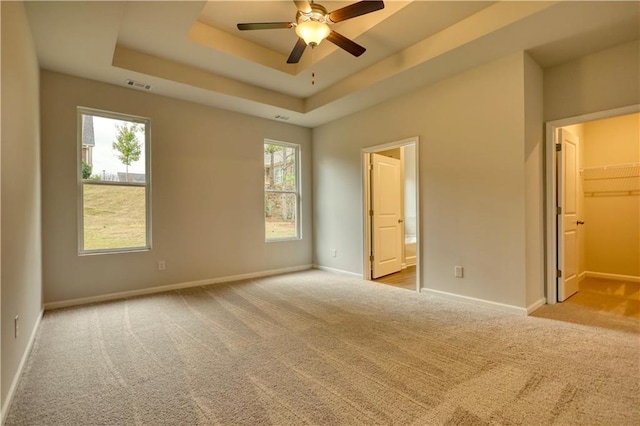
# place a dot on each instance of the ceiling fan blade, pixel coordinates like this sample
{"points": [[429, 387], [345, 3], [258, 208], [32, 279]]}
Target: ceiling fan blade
{"points": [[264, 26], [355, 9], [297, 52], [344, 43], [303, 6]]}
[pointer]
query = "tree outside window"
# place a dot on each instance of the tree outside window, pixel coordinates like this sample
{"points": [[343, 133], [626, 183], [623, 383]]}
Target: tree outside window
{"points": [[115, 186], [281, 191]]}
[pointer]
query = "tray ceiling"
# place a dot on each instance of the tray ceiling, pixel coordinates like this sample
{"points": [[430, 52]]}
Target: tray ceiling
{"points": [[192, 50]]}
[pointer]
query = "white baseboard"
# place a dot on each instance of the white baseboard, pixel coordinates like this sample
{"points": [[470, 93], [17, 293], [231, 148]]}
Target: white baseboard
{"points": [[160, 289], [535, 305], [6, 404], [337, 271], [478, 302], [617, 277], [582, 275], [410, 260]]}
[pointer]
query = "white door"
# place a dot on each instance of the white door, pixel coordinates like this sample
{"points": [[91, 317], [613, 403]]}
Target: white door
{"points": [[386, 222], [568, 217]]}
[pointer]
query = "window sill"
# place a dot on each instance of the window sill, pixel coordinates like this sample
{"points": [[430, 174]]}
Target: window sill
{"points": [[113, 251]]}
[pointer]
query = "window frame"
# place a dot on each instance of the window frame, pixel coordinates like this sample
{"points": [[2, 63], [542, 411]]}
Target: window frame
{"points": [[146, 122], [297, 191]]}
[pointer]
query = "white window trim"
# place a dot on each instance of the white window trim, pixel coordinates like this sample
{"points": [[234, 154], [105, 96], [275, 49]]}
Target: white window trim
{"points": [[297, 192], [146, 122]]}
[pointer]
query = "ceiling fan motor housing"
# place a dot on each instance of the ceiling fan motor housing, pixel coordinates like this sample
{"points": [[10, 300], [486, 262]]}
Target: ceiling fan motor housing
{"points": [[318, 13]]}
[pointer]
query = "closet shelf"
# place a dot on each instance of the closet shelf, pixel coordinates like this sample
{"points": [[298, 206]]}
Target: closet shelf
{"points": [[617, 178]]}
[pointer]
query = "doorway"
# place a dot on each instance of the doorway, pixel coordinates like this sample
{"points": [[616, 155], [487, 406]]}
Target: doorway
{"points": [[391, 214], [593, 210]]}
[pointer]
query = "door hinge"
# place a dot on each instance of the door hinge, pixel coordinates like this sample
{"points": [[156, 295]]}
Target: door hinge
{"points": [[370, 166], [558, 273], [370, 212], [558, 147], [371, 258], [559, 210]]}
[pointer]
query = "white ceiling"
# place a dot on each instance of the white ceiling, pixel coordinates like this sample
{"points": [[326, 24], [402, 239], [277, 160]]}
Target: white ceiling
{"points": [[192, 50]]}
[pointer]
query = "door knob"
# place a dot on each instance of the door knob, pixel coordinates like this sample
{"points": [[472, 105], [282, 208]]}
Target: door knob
{"points": [[580, 222]]}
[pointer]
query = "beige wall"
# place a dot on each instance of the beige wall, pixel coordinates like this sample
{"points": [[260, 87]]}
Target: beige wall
{"points": [[534, 191], [612, 220], [597, 82], [207, 185], [1, 398], [21, 274], [393, 153], [472, 177]]}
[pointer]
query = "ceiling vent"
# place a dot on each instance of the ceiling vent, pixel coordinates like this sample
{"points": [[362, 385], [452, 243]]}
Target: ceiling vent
{"points": [[282, 117], [138, 85]]}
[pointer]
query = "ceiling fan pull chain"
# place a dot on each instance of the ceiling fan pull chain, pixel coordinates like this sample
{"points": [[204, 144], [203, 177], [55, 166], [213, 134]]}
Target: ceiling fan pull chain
{"points": [[313, 73]]}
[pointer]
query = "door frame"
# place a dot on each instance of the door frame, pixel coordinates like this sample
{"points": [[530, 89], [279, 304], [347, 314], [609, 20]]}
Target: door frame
{"points": [[551, 180], [366, 203]]}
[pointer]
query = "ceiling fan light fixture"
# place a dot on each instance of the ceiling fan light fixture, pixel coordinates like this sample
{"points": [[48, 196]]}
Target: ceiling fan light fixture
{"points": [[312, 32], [312, 25]]}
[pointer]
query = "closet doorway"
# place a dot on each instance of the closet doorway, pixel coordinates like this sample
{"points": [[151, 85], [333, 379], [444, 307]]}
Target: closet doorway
{"points": [[593, 214], [391, 214]]}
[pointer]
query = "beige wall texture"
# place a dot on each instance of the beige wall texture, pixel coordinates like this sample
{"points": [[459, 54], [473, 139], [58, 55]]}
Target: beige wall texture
{"points": [[21, 273], [613, 219], [534, 190], [473, 179], [598, 82], [207, 193]]}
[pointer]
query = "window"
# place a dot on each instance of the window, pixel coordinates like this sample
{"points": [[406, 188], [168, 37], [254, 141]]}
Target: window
{"points": [[113, 171], [281, 191]]}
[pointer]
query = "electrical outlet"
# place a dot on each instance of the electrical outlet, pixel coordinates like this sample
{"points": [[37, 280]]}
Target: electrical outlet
{"points": [[161, 265], [459, 271], [16, 331], [334, 253]]}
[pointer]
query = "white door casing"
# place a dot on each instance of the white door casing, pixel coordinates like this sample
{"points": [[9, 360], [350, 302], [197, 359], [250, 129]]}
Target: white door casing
{"points": [[386, 223], [568, 219]]}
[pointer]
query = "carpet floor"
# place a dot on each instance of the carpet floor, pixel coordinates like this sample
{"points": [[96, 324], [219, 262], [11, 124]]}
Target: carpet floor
{"points": [[318, 348]]}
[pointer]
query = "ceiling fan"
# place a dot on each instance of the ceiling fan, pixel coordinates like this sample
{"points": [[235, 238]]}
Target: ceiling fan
{"points": [[312, 26]]}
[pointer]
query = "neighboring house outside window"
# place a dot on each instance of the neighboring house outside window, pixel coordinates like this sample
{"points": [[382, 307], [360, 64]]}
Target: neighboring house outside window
{"points": [[88, 139], [282, 190], [115, 187]]}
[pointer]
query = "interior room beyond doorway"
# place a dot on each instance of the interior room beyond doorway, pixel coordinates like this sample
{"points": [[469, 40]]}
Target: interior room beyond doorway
{"points": [[391, 214], [598, 227]]}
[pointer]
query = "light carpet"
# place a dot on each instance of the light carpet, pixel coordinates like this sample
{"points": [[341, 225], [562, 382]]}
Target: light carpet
{"points": [[319, 348]]}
